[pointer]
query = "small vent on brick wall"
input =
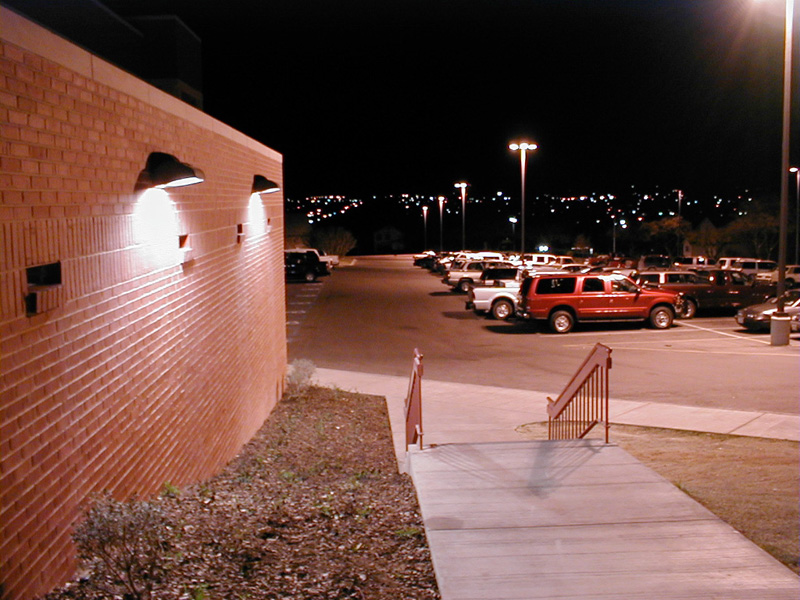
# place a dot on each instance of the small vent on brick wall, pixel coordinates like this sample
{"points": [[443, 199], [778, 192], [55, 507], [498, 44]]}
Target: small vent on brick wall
{"points": [[239, 233], [184, 247], [44, 275], [40, 279]]}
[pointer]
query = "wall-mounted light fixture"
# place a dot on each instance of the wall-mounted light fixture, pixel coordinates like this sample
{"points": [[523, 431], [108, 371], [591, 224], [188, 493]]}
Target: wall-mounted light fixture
{"points": [[164, 170], [262, 185]]}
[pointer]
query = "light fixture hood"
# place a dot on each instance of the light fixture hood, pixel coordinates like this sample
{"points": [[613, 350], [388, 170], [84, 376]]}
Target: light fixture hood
{"points": [[262, 185], [164, 171]]}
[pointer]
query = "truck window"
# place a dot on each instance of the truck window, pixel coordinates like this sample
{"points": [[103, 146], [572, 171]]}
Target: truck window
{"points": [[593, 284], [556, 285], [623, 285]]}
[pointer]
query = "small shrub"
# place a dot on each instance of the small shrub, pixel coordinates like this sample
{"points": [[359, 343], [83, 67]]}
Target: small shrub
{"points": [[125, 546], [299, 377], [409, 532], [169, 490]]}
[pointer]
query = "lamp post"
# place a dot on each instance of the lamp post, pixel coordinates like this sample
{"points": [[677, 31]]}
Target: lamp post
{"points": [[796, 172], [513, 221], [779, 323], [425, 226], [463, 186], [523, 148], [441, 221], [622, 223]]}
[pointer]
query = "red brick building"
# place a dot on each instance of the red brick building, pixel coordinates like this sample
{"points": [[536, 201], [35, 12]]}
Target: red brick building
{"points": [[142, 331]]}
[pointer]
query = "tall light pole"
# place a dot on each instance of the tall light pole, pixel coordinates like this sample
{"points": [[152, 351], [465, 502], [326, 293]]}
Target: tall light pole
{"points": [[796, 172], [523, 148], [425, 226], [463, 185], [779, 324], [513, 221], [441, 221]]}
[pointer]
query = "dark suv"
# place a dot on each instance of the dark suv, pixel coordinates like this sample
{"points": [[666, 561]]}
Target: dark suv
{"points": [[305, 266], [563, 300]]}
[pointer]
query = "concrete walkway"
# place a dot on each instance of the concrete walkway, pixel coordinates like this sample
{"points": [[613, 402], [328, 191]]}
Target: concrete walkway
{"points": [[509, 519], [458, 412]]}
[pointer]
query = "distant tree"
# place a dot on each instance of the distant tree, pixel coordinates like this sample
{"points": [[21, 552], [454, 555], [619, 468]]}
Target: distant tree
{"points": [[666, 235], [297, 231], [707, 240], [334, 240], [757, 231]]}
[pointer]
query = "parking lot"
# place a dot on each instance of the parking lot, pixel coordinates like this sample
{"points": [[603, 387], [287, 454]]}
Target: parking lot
{"points": [[370, 316]]}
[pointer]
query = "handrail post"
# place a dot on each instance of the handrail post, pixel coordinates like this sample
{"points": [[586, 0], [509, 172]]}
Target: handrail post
{"points": [[413, 405], [589, 387]]}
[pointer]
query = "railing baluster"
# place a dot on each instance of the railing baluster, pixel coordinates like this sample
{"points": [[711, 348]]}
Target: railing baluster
{"points": [[584, 402]]}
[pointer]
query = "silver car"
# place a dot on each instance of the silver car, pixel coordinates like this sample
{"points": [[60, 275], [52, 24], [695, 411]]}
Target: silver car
{"points": [[757, 317]]}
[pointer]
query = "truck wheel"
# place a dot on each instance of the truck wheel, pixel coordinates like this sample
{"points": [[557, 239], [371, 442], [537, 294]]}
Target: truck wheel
{"points": [[689, 309], [464, 285], [310, 276], [661, 317], [562, 321], [502, 310]]}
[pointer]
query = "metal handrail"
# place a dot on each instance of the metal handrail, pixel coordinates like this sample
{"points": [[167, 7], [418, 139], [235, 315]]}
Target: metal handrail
{"points": [[584, 401], [414, 403]]}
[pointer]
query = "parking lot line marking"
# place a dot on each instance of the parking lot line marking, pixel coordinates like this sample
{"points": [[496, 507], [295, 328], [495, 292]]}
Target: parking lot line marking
{"points": [[689, 351], [733, 335], [671, 341]]}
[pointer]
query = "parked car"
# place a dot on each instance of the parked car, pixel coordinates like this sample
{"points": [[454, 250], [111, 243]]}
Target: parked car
{"points": [[330, 260], [424, 259], [563, 300], [501, 276], [758, 316], [792, 276], [656, 278], [305, 266], [533, 260], [760, 269], [461, 276], [728, 262], [654, 261], [691, 262], [496, 292], [724, 288], [500, 302]]}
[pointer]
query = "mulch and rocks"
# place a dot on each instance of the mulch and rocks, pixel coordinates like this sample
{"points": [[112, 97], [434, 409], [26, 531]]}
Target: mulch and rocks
{"points": [[312, 508]]}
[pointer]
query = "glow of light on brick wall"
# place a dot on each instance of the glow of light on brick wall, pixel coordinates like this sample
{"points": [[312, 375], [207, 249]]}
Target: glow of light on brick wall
{"points": [[256, 217], [156, 229]]}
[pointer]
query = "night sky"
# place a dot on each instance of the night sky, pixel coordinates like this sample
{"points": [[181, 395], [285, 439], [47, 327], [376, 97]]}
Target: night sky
{"points": [[392, 96]]}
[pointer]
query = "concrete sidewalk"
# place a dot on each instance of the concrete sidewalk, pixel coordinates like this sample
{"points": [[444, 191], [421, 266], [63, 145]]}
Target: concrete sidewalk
{"points": [[514, 519], [467, 413]]}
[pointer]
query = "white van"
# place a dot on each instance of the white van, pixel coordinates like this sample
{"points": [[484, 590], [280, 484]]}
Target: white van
{"points": [[757, 268], [727, 262], [753, 266], [693, 262]]}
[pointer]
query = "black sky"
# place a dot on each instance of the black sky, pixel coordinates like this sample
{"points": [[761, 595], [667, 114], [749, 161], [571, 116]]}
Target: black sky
{"points": [[389, 96]]}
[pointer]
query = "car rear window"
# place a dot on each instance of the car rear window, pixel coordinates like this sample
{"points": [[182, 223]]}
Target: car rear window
{"points": [[556, 285]]}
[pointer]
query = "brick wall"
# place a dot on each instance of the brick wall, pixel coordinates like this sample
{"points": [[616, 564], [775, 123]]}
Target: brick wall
{"points": [[142, 363]]}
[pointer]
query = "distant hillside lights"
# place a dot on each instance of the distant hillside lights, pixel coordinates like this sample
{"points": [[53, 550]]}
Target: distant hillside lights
{"points": [[319, 208], [637, 205]]}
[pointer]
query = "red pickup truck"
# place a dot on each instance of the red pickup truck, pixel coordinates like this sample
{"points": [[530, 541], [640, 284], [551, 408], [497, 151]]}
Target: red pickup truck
{"points": [[563, 300]]}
